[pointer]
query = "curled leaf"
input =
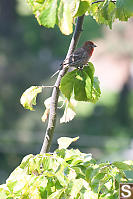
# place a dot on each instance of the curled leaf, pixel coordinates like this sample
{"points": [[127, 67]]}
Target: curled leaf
{"points": [[64, 142], [28, 99], [46, 112], [69, 112], [47, 105]]}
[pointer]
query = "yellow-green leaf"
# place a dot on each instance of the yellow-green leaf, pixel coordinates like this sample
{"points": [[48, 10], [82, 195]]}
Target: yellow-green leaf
{"points": [[28, 99], [65, 19], [64, 142]]}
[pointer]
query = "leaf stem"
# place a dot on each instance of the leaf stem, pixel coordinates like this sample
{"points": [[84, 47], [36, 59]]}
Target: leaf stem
{"points": [[55, 94]]}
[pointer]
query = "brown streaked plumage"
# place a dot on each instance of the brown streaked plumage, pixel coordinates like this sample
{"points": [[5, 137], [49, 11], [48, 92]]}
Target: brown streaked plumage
{"points": [[79, 57]]}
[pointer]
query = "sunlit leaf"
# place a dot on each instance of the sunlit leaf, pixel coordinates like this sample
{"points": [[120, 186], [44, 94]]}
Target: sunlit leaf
{"points": [[28, 99], [56, 194], [63, 12], [47, 105], [65, 174], [69, 112], [51, 12], [122, 165], [83, 7], [45, 11], [76, 187], [25, 161], [64, 142], [65, 18], [103, 12], [46, 112]]}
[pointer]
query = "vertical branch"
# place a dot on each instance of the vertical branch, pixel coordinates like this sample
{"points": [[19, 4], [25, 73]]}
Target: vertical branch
{"points": [[55, 94]]}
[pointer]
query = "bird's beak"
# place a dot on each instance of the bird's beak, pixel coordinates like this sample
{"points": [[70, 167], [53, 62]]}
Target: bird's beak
{"points": [[94, 45]]}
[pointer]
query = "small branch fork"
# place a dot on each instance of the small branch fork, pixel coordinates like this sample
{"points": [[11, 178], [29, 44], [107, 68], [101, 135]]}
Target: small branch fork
{"points": [[55, 94], [113, 1]]}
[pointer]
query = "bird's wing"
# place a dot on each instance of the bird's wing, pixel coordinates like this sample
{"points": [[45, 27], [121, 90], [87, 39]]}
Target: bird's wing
{"points": [[74, 57]]}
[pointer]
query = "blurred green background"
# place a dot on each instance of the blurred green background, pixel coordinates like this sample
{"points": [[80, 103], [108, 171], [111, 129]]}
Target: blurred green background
{"points": [[30, 54]]}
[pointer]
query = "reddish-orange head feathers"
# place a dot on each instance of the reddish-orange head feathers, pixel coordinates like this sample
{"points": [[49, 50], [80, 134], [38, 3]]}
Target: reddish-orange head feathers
{"points": [[89, 46]]}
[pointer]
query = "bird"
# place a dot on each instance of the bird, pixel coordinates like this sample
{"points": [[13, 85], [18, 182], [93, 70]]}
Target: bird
{"points": [[79, 57]]}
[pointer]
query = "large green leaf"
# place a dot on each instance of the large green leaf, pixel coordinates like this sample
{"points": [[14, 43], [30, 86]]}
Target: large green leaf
{"points": [[45, 11], [82, 84], [65, 18], [51, 12]]}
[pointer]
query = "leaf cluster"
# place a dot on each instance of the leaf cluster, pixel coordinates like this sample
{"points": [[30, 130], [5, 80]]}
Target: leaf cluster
{"points": [[81, 84], [78, 85], [63, 13], [65, 174]]}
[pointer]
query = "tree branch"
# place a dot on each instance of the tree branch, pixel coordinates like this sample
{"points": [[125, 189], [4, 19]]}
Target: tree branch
{"points": [[55, 94], [113, 1]]}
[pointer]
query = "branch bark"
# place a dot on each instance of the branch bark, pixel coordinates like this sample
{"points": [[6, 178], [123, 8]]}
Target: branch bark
{"points": [[55, 94]]}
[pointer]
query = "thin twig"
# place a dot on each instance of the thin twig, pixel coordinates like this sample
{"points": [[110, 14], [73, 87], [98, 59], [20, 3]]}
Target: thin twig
{"points": [[47, 86], [113, 1], [55, 94]]}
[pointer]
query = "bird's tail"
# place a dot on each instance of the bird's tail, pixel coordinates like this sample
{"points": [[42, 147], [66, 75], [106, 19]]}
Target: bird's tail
{"points": [[57, 71]]}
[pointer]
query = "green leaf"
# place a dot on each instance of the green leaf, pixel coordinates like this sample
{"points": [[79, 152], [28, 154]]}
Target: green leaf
{"points": [[64, 142], [89, 173], [76, 187], [60, 178], [82, 83], [51, 12], [25, 161], [11, 184], [61, 174], [45, 11], [122, 166], [82, 86], [83, 7], [65, 18], [56, 194], [96, 92], [67, 83], [28, 99], [3, 196], [49, 163], [123, 13], [129, 5], [103, 12]]}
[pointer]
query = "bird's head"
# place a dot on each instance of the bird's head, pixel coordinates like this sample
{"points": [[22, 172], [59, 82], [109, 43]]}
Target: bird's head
{"points": [[89, 46]]}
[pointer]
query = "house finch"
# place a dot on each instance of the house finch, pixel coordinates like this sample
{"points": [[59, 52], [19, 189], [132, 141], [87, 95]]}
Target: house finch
{"points": [[79, 57]]}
